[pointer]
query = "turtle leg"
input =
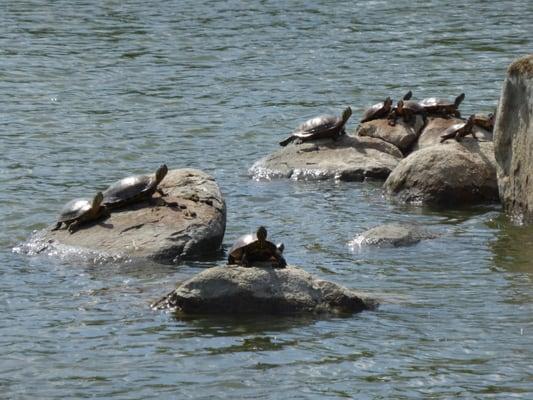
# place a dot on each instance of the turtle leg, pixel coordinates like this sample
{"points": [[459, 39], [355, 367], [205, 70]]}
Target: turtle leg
{"points": [[279, 262], [244, 260], [56, 228], [73, 227], [161, 193]]}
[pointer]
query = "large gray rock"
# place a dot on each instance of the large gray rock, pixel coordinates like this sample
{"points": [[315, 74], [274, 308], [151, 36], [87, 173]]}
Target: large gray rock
{"points": [[392, 235], [348, 158], [164, 234], [435, 128], [401, 135], [513, 140], [449, 174], [232, 289]]}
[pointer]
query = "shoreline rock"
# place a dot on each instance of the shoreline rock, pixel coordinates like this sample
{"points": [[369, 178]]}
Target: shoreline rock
{"points": [[239, 290], [153, 231], [348, 158], [513, 141]]}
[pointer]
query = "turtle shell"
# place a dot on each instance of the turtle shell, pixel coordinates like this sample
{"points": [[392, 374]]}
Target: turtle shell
{"points": [[485, 121], [435, 102], [454, 128], [316, 125], [130, 189], [413, 106], [376, 111], [74, 209], [252, 246]]}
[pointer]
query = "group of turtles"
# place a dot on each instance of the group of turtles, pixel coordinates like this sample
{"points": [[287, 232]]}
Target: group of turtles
{"points": [[124, 192], [332, 127]]}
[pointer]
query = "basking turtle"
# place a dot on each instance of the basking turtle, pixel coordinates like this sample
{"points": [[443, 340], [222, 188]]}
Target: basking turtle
{"points": [[485, 121], [324, 126], [378, 110], [78, 211], [407, 109], [441, 107], [252, 248], [381, 110], [459, 131], [134, 189]]}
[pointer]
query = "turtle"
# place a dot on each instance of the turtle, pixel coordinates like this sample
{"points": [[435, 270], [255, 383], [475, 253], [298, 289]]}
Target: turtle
{"points": [[254, 247], [485, 121], [460, 130], [81, 210], [133, 189], [378, 110], [324, 126], [441, 107], [407, 109], [381, 110]]}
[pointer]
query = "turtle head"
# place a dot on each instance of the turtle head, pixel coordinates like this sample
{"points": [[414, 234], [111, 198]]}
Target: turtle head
{"points": [[399, 106], [408, 95], [161, 173], [387, 103], [261, 234], [346, 114], [459, 99], [280, 247], [97, 200], [470, 120]]}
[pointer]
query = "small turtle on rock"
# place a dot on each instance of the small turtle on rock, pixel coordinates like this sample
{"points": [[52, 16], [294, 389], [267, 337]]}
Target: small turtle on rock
{"points": [[406, 109], [322, 127], [485, 121], [441, 107], [134, 189], [252, 248], [78, 211], [381, 110], [459, 131]]}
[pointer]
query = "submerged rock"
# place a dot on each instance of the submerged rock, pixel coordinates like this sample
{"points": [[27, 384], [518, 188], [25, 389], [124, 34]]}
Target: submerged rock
{"points": [[401, 135], [347, 158], [232, 290], [513, 140], [155, 231], [449, 174], [392, 235]]}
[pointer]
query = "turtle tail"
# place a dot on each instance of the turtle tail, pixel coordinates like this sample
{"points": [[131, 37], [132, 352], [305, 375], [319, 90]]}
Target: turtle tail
{"points": [[287, 141], [459, 99]]}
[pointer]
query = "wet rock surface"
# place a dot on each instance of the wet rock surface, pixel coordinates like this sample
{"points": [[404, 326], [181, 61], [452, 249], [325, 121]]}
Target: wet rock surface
{"points": [[393, 235], [194, 228], [348, 158], [234, 290], [447, 174], [513, 140]]}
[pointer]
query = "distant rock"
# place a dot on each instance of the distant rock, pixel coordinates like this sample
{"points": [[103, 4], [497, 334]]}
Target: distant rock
{"points": [[448, 174], [234, 290], [348, 159], [435, 128], [401, 135], [393, 235], [157, 232], [513, 140]]}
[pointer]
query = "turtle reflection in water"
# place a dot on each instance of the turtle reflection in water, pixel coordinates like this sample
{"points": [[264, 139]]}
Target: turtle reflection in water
{"points": [[322, 127], [252, 248], [134, 189], [78, 211]]}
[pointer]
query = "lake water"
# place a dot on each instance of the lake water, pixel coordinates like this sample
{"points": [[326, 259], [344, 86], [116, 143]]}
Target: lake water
{"points": [[91, 91]]}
